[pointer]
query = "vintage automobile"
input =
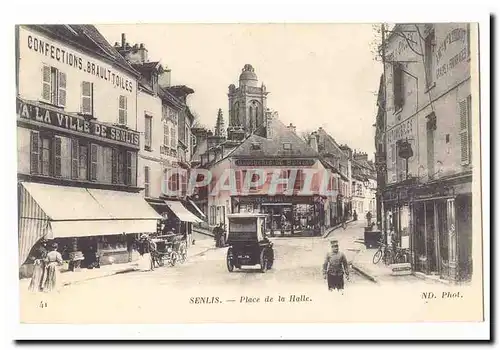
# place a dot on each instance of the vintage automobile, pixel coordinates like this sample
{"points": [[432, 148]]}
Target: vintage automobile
{"points": [[248, 244], [169, 249]]}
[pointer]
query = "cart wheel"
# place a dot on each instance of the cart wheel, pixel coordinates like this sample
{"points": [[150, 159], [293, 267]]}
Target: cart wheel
{"points": [[264, 261], [229, 260], [377, 256]]}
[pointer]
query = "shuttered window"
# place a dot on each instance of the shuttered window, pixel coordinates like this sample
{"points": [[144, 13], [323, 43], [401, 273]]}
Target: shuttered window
{"points": [[61, 92], [83, 154], [173, 143], [87, 98], [114, 166], [122, 110], [46, 84], [398, 86], [465, 142], [148, 130], [93, 161], [166, 135], [146, 181], [74, 159], [129, 174], [35, 153], [57, 156]]}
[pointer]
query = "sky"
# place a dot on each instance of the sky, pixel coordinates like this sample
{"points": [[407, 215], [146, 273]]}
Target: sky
{"points": [[316, 74]]}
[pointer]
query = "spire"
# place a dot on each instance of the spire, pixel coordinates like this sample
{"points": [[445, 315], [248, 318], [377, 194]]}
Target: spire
{"points": [[220, 129]]}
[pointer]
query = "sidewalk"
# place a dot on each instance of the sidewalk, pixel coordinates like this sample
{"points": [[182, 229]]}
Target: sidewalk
{"points": [[67, 278]]}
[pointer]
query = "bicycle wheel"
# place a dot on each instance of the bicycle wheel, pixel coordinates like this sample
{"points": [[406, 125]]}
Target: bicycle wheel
{"points": [[377, 256]]}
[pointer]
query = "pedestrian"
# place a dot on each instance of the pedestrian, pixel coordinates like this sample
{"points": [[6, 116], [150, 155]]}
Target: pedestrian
{"points": [[38, 256], [355, 216], [53, 260], [145, 260], [222, 235], [334, 268], [369, 218], [217, 233]]}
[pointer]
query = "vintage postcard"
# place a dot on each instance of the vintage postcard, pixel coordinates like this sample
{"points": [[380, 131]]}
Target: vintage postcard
{"points": [[248, 173]]}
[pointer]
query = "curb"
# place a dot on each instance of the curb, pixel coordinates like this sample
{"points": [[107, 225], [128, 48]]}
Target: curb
{"points": [[203, 233], [364, 273], [422, 276], [125, 270], [330, 230]]}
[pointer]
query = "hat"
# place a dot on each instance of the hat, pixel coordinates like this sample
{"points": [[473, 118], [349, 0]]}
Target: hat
{"points": [[334, 241]]}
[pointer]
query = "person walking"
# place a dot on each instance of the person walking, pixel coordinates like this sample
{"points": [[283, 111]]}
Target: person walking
{"points": [[334, 268], [53, 260], [369, 219], [145, 260], [38, 256]]}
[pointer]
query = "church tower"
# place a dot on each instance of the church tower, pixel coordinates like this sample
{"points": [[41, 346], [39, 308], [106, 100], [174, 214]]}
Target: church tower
{"points": [[247, 103], [220, 128]]}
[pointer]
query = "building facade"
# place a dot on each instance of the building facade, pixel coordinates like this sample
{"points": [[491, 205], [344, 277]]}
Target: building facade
{"points": [[364, 186], [427, 198], [78, 145], [258, 142]]}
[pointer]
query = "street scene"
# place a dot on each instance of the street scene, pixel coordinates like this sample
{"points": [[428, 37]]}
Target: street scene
{"points": [[153, 180]]}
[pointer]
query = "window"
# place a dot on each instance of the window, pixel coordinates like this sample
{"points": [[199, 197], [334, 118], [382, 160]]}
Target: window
{"points": [[148, 131], [35, 153], [45, 152], [173, 141], [287, 146], [398, 86], [429, 57], [465, 130], [53, 86], [212, 215], [87, 106], [146, 181], [57, 156], [256, 146], [93, 161], [123, 168], [74, 159], [83, 162], [122, 110], [166, 135]]}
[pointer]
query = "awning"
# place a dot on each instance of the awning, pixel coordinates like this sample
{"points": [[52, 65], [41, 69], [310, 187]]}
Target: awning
{"points": [[182, 212], [197, 209], [53, 211]]}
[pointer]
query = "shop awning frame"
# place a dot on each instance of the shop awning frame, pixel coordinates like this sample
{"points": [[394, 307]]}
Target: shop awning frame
{"points": [[182, 213]]}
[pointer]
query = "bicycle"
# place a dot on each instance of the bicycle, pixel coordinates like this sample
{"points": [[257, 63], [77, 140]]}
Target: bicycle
{"points": [[383, 253]]}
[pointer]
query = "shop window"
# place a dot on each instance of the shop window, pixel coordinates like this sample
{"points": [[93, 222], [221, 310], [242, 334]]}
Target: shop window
{"points": [[429, 57], [53, 86], [87, 106], [57, 156], [148, 131], [74, 158], [45, 155], [35, 153], [146, 181], [465, 128], [122, 110]]}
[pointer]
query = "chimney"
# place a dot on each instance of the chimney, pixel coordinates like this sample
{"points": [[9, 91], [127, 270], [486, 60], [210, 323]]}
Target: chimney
{"points": [[164, 78], [313, 141], [292, 128], [124, 40]]}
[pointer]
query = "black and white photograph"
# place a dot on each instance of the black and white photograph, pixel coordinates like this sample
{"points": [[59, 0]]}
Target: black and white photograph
{"points": [[178, 173]]}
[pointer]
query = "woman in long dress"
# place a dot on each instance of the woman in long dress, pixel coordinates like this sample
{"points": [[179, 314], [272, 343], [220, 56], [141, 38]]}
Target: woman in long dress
{"points": [[38, 256], [145, 260], [54, 259]]}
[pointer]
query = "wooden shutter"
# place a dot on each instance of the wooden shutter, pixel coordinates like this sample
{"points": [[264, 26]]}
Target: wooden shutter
{"points": [[74, 159], [166, 135], [128, 178], [148, 123], [93, 161], [122, 110], [57, 156], [46, 85], [172, 138], [61, 93], [146, 181], [87, 100], [464, 132], [114, 166], [35, 153]]}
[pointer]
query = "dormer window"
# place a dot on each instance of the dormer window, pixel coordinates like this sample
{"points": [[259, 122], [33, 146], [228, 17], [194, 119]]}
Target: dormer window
{"points": [[287, 146], [256, 146]]}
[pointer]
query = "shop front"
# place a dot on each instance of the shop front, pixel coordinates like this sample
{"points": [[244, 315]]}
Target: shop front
{"points": [[442, 233], [91, 226], [290, 215]]}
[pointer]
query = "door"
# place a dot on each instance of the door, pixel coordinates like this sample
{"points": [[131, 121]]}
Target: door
{"points": [[443, 238], [418, 242], [431, 234]]}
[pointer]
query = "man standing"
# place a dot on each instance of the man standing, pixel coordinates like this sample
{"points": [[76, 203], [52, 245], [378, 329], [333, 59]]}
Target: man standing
{"points": [[369, 218], [334, 267]]}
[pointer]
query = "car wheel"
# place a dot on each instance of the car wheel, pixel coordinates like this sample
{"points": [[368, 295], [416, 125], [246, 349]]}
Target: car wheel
{"points": [[264, 261]]}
